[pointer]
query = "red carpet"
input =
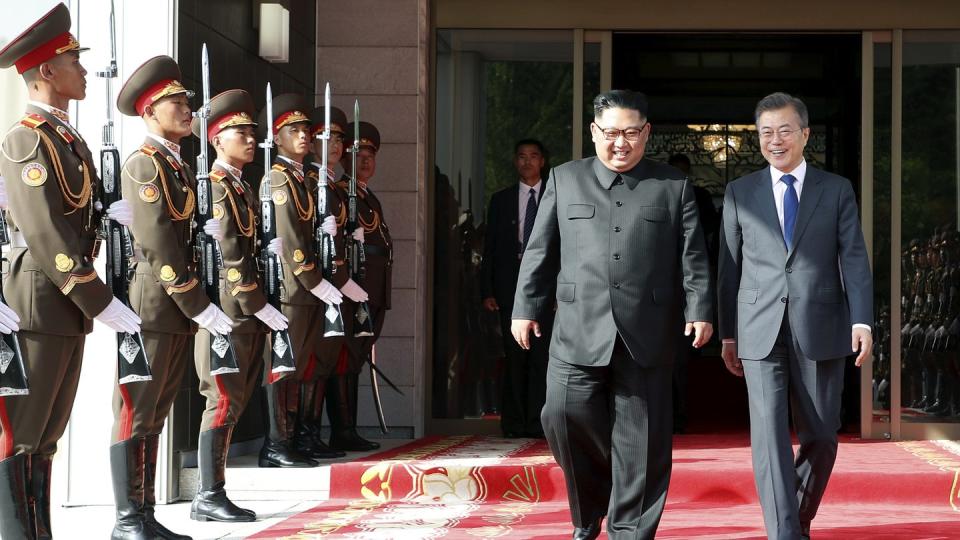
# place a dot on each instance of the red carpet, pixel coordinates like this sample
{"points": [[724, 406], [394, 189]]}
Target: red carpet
{"points": [[476, 487]]}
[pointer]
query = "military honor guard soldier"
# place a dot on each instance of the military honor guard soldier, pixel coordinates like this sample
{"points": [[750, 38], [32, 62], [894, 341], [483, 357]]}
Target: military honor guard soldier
{"points": [[331, 381], [231, 131], [165, 289], [377, 280], [54, 214], [306, 294]]}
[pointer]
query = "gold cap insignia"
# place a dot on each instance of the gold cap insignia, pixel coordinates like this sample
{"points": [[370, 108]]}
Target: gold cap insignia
{"points": [[167, 273], [298, 256], [279, 198], [149, 193], [33, 174], [233, 275], [64, 263], [218, 211]]}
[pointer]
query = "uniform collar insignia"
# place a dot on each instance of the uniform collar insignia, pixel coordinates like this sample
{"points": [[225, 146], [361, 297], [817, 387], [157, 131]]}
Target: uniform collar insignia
{"points": [[234, 172], [59, 114], [172, 147]]}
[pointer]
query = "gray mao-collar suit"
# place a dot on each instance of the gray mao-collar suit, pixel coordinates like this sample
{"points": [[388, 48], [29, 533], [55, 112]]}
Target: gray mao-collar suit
{"points": [[791, 313], [626, 256]]}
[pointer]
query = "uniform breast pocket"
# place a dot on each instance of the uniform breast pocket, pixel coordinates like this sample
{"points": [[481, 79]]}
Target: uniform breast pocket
{"points": [[656, 214], [580, 211]]}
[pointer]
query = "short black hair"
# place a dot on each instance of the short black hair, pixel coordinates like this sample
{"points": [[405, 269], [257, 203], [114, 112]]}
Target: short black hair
{"points": [[621, 99], [529, 142], [679, 158], [780, 100]]}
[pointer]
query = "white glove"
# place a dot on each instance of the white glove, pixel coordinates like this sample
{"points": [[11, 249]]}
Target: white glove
{"points": [[329, 225], [327, 292], [276, 246], [119, 317], [214, 321], [121, 212], [212, 229], [358, 234], [8, 319], [3, 194], [272, 317], [354, 292]]}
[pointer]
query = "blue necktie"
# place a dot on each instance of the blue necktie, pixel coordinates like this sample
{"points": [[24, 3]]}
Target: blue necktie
{"points": [[790, 204], [528, 218]]}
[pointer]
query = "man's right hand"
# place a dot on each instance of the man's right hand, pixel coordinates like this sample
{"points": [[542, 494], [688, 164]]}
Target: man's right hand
{"points": [[520, 328], [490, 304], [729, 354]]}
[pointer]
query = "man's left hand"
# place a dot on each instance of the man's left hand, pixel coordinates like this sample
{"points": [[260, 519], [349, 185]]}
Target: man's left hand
{"points": [[702, 332], [862, 340]]}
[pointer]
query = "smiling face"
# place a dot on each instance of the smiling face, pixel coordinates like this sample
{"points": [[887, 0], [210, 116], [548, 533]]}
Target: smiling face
{"points": [[782, 138], [619, 155], [293, 140], [236, 145], [334, 148], [170, 117]]}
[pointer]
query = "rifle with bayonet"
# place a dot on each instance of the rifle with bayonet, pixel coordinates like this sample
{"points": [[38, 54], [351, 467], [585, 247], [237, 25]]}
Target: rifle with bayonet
{"points": [[362, 321], [223, 358], [132, 362], [326, 250], [13, 374], [281, 352]]}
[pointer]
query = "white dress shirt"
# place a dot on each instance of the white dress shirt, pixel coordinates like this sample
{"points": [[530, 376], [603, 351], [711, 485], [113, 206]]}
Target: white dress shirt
{"points": [[522, 199]]}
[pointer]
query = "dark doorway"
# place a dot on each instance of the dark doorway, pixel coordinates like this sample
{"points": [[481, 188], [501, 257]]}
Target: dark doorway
{"points": [[702, 89]]}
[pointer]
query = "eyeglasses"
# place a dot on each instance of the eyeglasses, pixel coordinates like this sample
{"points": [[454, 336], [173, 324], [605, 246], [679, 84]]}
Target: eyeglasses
{"points": [[784, 133], [629, 134]]}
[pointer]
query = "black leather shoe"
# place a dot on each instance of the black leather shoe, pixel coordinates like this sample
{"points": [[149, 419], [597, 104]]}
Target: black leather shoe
{"points": [[277, 454], [314, 448], [590, 532], [512, 435]]}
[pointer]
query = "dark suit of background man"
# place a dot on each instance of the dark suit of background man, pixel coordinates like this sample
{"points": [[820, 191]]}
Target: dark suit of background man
{"points": [[789, 313], [509, 225], [623, 233]]}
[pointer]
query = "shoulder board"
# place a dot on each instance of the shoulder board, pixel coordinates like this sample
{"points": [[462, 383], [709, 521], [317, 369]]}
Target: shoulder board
{"points": [[33, 120], [149, 149], [278, 167], [217, 175], [343, 184], [312, 173]]}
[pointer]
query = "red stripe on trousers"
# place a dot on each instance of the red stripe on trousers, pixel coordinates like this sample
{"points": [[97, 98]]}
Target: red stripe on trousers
{"points": [[6, 431], [342, 361], [126, 414], [308, 373], [223, 404]]}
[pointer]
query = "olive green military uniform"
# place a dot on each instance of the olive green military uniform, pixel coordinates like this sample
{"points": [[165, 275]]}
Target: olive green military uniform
{"points": [[165, 290]]}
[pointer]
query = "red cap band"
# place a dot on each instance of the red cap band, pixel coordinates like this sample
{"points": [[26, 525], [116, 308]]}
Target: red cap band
{"points": [[289, 117], [60, 44]]}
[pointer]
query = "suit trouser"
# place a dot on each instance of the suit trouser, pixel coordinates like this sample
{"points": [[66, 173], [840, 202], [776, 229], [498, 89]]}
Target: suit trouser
{"points": [[609, 428], [791, 487], [33, 424], [140, 408], [524, 380], [227, 395]]}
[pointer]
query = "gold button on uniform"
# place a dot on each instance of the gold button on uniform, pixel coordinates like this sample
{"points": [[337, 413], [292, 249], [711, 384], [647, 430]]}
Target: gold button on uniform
{"points": [[298, 256], [233, 275], [167, 273], [64, 263]]}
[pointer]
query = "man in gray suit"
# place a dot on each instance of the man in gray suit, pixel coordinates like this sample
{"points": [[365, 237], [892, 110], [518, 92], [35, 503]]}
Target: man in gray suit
{"points": [[796, 297], [619, 239]]}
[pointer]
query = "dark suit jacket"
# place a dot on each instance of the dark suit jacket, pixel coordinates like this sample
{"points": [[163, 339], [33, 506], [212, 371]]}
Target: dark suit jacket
{"points": [[824, 282], [501, 266], [628, 257]]}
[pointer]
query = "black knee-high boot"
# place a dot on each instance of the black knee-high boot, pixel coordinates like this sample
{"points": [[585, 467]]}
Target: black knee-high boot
{"points": [[126, 468], [211, 502], [151, 451], [14, 507], [276, 450], [308, 440], [39, 487], [342, 394]]}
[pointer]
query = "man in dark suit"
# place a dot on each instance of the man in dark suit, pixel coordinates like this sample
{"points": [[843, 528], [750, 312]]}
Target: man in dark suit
{"points": [[509, 225], [796, 297], [623, 233]]}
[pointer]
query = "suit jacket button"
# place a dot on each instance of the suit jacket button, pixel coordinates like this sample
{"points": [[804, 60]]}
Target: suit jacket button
{"points": [[783, 299], [616, 285], [616, 256], [619, 203], [617, 229], [789, 270]]}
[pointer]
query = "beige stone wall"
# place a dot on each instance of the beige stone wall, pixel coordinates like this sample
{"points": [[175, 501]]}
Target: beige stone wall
{"points": [[370, 50]]}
